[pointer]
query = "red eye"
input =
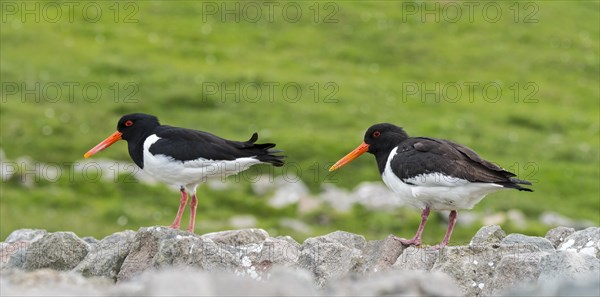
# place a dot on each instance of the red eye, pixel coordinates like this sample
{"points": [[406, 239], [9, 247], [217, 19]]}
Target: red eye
{"points": [[128, 123], [376, 134]]}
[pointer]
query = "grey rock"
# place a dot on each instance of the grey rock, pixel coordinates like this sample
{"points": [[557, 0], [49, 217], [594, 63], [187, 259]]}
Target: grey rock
{"points": [[163, 261], [515, 270], [295, 281], [49, 282], [470, 266], [557, 235], [588, 285], [519, 239], [289, 239], [380, 255], [58, 250], [416, 258], [191, 282], [12, 255], [90, 240], [567, 265], [344, 238], [488, 235], [193, 251], [25, 235], [14, 249], [586, 241], [331, 256], [238, 237], [276, 251], [395, 283], [106, 256], [144, 248]]}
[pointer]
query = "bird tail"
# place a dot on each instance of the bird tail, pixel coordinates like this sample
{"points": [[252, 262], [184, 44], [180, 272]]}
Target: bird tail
{"points": [[515, 183], [265, 153]]}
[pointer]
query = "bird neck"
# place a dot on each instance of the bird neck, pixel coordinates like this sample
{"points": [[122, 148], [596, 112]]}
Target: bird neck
{"points": [[381, 157], [136, 152], [135, 146]]}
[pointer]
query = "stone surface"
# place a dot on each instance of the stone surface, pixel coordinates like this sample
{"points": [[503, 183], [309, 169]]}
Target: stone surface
{"points": [[395, 283], [488, 235], [90, 240], [193, 251], [238, 237], [380, 255], [49, 282], [144, 248], [557, 235], [567, 265], [30, 235], [588, 285], [416, 258], [542, 243], [470, 266], [514, 270], [12, 255], [107, 255], [59, 251], [331, 256], [163, 261], [586, 241]]}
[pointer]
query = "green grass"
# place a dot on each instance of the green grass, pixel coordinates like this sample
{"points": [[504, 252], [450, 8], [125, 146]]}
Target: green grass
{"points": [[370, 55]]}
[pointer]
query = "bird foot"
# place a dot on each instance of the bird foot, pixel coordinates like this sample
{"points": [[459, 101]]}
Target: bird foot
{"points": [[174, 226], [408, 242]]}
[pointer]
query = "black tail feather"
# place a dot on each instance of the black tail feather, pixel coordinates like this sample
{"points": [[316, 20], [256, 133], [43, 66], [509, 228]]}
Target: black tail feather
{"points": [[519, 181], [514, 183], [264, 151], [253, 138], [270, 157]]}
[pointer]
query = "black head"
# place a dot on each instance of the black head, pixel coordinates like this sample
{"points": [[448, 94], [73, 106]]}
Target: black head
{"points": [[384, 137], [379, 140], [136, 124], [131, 127]]}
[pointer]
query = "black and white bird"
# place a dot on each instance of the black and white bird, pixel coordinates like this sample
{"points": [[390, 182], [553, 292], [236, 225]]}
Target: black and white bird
{"points": [[186, 157], [431, 174]]}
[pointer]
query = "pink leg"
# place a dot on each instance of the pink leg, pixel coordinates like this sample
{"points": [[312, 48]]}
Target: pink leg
{"points": [[452, 221], [417, 239], [182, 203], [193, 205]]}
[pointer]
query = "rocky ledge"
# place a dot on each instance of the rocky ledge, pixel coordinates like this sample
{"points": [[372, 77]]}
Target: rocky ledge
{"points": [[161, 261]]}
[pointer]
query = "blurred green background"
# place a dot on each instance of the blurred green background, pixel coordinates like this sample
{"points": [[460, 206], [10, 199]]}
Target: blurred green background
{"points": [[516, 81]]}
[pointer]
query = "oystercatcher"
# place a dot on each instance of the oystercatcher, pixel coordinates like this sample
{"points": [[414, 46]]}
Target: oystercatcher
{"points": [[431, 174], [185, 157]]}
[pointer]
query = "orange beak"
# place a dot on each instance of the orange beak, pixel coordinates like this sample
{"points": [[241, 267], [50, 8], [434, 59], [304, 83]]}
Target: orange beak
{"points": [[361, 149], [104, 144]]}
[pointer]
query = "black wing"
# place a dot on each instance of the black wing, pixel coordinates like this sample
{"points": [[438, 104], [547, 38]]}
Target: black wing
{"points": [[187, 144], [421, 155]]}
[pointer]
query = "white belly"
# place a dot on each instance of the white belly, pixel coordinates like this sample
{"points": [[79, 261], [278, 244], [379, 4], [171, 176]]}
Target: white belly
{"points": [[190, 173], [436, 191]]}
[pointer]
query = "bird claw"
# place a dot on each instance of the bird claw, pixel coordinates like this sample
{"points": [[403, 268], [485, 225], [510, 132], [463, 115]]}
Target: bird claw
{"points": [[408, 242]]}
